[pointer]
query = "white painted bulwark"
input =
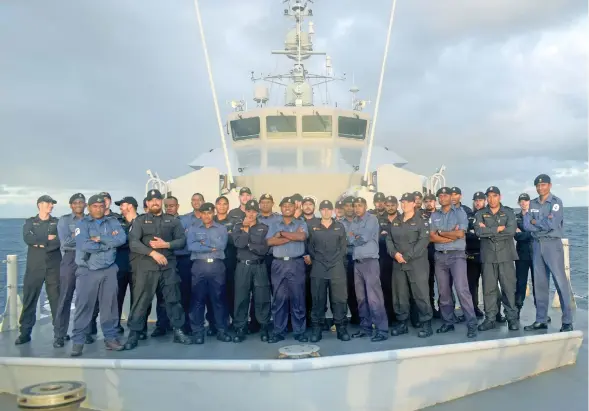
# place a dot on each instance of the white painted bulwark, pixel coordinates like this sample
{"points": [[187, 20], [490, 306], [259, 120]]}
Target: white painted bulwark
{"points": [[400, 380]]}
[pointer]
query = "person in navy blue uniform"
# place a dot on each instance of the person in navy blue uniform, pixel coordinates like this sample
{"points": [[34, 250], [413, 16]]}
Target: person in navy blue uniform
{"points": [[339, 210], [456, 198], [268, 217], [327, 247], [495, 225], [545, 222], [67, 270], [429, 204], [97, 238], [251, 277], [448, 226], [523, 246], [287, 238], [473, 255], [43, 261], [207, 241], [348, 204], [308, 207], [391, 205], [363, 236], [154, 237]]}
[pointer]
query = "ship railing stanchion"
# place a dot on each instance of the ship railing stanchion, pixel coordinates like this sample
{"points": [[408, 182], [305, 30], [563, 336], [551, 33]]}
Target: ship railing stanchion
{"points": [[13, 302], [567, 271]]}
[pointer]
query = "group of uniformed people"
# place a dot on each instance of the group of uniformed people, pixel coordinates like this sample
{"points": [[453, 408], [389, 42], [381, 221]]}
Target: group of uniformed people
{"points": [[279, 269]]}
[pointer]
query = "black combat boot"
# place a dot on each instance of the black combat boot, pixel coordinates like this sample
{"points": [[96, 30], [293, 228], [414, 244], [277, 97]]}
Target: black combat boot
{"points": [[379, 336], [342, 333], [211, 331], [223, 336], [500, 318], [445, 328], [88, 340], [158, 332], [264, 335], [566, 328], [536, 326], [316, 334], [275, 338], [471, 331], [199, 338], [301, 337], [132, 340], [513, 325], [181, 338], [487, 325], [58, 342], [239, 335], [426, 330], [400, 328], [23, 339]]}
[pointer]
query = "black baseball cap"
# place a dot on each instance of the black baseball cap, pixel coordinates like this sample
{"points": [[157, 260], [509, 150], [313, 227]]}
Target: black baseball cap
{"points": [[267, 196], [287, 200], [128, 200], [46, 199], [207, 207], [523, 196], [221, 198], [443, 190], [151, 194], [542, 178], [105, 195], [296, 197], [493, 189], [361, 200], [418, 194], [391, 199], [252, 205], [479, 195], [96, 199], [339, 204], [456, 190], [348, 200], [379, 197], [408, 197], [308, 199], [76, 197], [245, 190], [429, 197], [326, 204]]}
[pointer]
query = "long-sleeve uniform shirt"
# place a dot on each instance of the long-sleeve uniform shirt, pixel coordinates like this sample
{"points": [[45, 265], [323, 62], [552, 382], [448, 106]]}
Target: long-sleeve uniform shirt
{"points": [[548, 216], [99, 254], [409, 238], [292, 249], [447, 222], [327, 248], [42, 253], [148, 226], [524, 239], [251, 245], [363, 236], [347, 224], [187, 220], [207, 243], [66, 228], [496, 247]]}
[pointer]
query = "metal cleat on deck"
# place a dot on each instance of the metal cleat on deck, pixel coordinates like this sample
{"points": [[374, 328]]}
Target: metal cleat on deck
{"points": [[298, 351], [58, 395]]}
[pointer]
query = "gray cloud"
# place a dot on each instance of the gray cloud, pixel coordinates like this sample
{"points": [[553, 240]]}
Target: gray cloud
{"points": [[465, 85]]}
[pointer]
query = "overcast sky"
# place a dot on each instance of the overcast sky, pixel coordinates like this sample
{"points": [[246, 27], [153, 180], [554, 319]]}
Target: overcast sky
{"points": [[93, 93]]}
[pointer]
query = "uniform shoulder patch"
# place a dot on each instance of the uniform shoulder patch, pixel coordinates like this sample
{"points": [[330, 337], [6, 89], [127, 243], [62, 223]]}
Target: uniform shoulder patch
{"points": [[76, 231], [555, 207]]}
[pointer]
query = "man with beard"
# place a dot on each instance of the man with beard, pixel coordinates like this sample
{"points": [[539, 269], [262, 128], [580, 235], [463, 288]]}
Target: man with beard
{"points": [[407, 244], [524, 251], [308, 207], [287, 238], [251, 277], [473, 254], [495, 225], [97, 238], [43, 261], [385, 260], [379, 207], [348, 203], [447, 232], [363, 236], [154, 237], [298, 201], [545, 222], [328, 246], [418, 202], [67, 270]]}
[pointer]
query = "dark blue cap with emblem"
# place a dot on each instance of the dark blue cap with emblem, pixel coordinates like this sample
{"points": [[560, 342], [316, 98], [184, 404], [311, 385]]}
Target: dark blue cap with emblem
{"points": [[127, 200], [418, 194], [105, 195], [360, 200], [456, 190], [429, 197], [207, 207], [252, 205], [339, 204], [151, 194], [408, 197], [443, 190], [96, 199], [308, 200], [267, 196], [379, 197], [479, 195], [286, 200], [523, 196], [348, 200], [245, 190], [76, 197], [391, 200], [296, 197], [46, 199], [493, 189], [542, 178], [326, 204]]}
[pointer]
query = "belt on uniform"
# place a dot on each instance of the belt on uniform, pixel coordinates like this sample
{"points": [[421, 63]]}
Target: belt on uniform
{"points": [[449, 251], [287, 258], [251, 262], [208, 260], [361, 260]]}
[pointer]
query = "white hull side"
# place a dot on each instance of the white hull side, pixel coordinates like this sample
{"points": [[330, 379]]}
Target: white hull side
{"points": [[400, 380]]}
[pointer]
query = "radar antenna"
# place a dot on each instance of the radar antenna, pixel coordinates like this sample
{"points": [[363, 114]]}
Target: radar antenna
{"points": [[298, 46]]}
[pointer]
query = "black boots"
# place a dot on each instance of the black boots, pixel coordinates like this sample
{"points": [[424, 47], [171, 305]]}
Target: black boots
{"points": [[426, 330]]}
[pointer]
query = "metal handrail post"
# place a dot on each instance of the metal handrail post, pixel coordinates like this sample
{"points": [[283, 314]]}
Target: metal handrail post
{"points": [[13, 303]]}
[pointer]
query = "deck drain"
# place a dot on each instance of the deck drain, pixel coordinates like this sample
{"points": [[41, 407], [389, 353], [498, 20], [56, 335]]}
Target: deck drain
{"points": [[298, 351], [55, 395]]}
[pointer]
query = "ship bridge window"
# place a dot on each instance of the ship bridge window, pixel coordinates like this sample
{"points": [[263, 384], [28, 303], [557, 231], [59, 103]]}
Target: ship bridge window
{"points": [[281, 126], [351, 127], [316, 126], [245, 128]]}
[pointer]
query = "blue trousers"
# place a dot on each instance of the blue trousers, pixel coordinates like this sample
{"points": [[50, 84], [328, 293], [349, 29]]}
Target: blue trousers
{"points": [[288, 285], [451, 268], [208, 282], [67, 285], [369, 294], [91, 286], [522, 267], [549, 258]]}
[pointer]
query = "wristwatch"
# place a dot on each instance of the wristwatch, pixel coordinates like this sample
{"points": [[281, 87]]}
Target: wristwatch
{"points": [[438, 232]]}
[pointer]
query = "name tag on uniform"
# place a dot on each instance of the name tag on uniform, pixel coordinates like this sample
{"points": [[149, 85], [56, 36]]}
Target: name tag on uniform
{"points": [[260, 229], [396, 224], [533, 210], [411, 223], [167, 221], [336, 228], [148, 222], [486, 215]]}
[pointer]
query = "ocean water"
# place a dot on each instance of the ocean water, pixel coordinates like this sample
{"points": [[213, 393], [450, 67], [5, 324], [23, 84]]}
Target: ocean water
{"points": [[576, 219]]}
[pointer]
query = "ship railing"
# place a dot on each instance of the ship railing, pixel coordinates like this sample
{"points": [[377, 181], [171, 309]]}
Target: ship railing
{"points": [[10, 318]]}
